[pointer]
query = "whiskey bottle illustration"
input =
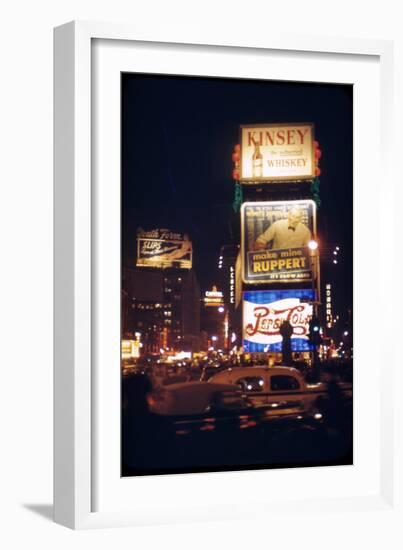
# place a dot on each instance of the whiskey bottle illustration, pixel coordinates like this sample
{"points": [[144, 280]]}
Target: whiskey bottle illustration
{"points": [[257, 162]]}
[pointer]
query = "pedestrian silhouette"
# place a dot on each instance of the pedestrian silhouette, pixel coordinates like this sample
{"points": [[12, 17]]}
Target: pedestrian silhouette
{"points": [[146, 436]]}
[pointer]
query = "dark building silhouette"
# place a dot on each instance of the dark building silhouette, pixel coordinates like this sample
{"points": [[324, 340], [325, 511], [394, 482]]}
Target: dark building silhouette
{"points": [[163, 305]]}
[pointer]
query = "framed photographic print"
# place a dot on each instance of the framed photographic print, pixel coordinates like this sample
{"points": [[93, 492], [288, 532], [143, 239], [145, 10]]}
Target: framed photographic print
{"points": [[212, 275]]}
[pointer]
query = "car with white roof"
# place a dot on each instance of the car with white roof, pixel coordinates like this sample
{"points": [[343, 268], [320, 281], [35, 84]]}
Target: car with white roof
{"points": [[277, 387]]}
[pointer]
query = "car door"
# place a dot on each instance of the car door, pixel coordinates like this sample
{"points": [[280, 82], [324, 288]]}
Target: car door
{"points": [[285, 393]]}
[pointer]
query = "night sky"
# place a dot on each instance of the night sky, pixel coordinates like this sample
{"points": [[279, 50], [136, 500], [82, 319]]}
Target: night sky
{"points": [[178, 135]]}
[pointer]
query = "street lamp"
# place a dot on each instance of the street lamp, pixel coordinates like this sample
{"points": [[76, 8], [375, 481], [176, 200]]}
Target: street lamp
{"points": [[313, 255], [314, 324]]}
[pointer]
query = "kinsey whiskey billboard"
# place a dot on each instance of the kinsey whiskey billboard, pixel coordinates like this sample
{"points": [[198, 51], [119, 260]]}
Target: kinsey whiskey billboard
{"points": [[163, 248], [277, 152], [275, 237], [265, 311]]}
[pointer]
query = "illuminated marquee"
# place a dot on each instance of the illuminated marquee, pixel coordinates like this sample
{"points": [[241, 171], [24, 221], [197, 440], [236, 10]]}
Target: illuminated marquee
{"points": [[213, 298], [273, 152], [232, 285], [163, 248], [131, 348], [265, 311], [329, 314]]}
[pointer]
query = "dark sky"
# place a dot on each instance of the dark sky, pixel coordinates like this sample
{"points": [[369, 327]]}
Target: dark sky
{"points": [[178, 134]]}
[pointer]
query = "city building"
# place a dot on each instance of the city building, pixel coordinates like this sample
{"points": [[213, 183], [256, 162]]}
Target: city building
{"points": [[181, 290], [163, 306], [214, 320]]}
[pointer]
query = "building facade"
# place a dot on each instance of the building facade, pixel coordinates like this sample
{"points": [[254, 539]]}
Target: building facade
{"points": [[163, 306]]}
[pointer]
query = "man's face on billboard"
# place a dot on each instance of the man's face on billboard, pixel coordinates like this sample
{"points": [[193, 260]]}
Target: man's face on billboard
{"points": [[294, 217]]}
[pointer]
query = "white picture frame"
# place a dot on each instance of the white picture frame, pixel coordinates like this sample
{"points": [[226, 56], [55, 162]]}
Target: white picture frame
{"points": [[85, 494]]}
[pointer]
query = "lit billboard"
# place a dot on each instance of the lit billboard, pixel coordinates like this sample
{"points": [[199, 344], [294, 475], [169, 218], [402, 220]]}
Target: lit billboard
{"points": [[213, 298], [275, 152], [264, 312], [163, 248], [274, 241]]}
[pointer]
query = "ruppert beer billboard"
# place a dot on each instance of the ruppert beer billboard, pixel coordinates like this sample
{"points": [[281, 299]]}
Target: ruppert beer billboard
{"points": [[273, 152], [275, 238], [264, 312], [163, 248]]}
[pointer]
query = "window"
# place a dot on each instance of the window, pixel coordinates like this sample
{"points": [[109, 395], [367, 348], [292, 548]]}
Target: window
{"points": [[280, 382], [251, 383]]}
